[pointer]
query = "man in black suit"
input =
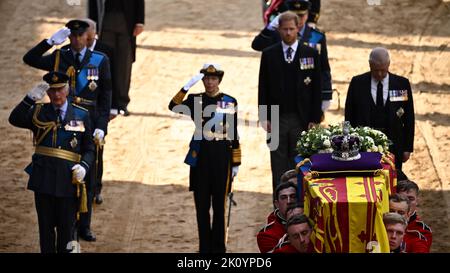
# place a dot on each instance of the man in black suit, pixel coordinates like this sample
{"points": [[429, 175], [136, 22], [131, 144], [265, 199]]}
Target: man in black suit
{"points": [[119, 23], [90, 83], [94, 45], [64, 152], [290, 78], [382, 100], [308, 36]]}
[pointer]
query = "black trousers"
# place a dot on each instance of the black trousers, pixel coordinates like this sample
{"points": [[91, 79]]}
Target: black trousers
{"points": [[212, 179], [56, 218], [283, 158], [99, 175], [116, 36]]}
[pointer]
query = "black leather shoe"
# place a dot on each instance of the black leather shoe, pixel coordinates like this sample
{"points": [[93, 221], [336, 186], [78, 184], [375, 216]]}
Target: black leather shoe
{"points": [[87, 235], [124, 112], [98, 199]]}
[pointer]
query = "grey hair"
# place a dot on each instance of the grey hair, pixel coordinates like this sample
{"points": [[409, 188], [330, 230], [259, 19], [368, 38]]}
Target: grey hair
{"points": [[92, 23], [379, 55]]}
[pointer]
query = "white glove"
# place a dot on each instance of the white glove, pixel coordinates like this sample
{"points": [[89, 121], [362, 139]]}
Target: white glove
{"points": [[99, 134], [38, 91], [325, 105], [275, 23], [59, 37], [79, 172], [234, 171], [193, 81]]}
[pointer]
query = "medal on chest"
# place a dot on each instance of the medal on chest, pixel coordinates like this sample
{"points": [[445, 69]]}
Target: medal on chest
{"points": [[92, 77]]}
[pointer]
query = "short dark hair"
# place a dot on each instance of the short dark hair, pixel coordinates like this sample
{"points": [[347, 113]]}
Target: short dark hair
{"points": [[282, 186], [288, 175], [407, 185], [397, 198], [298, 219]]}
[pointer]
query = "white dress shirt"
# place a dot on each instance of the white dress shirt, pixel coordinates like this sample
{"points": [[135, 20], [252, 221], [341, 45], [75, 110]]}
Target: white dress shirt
{"points": [[373, 89], [294, 47], [63, 109]]}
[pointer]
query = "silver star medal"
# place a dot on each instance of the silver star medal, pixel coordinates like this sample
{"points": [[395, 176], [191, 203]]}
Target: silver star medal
{"points": [[92, 76], [307, 81], [400, 112]]}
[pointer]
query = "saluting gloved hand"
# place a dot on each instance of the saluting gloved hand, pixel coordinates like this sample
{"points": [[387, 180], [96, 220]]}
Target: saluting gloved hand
{"points": [[38, 91], [78, 172], [59, 37], [193, 81], [275, 23], [99, 134], [234, 171]]}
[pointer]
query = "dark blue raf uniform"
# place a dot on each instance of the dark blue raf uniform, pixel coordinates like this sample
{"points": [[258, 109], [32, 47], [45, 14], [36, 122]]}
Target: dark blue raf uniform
{"points": [[212, 154], [308, 36], [60, 144], [90, 87]]}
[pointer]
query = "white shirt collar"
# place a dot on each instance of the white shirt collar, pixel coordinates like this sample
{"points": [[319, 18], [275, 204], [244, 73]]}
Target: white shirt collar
{"points": [[91, 48], [373, 88], [63, 109], [294, 47], [82, 53]]}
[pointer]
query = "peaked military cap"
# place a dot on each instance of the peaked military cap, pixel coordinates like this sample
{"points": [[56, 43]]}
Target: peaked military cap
{"points": [[56, 79], [211, 69], [77, 26], [298, 6]]}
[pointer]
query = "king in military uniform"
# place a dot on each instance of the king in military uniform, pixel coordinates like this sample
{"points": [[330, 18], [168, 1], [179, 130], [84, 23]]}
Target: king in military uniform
{"points": [[64, 152], [214, 154], [90, 87]]}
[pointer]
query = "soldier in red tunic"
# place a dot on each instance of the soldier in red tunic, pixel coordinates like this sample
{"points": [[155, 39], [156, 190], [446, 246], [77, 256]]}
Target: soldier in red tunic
{"points": [[417, 231], [269, 236]]}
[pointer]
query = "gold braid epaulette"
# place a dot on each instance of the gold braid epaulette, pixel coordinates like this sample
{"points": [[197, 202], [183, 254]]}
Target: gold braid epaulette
{"points": [[236, 156], [73, 79], [178, 98], [82, 195], [41, 125]]}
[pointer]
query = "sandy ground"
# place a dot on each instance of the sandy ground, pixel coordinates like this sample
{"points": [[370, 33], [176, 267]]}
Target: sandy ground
{"points": [[147, 205]]}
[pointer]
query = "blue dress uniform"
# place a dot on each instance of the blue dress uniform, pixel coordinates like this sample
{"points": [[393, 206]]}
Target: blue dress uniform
{"points": [[59, 146], [90, 87], [309, 36], [212, 154]]}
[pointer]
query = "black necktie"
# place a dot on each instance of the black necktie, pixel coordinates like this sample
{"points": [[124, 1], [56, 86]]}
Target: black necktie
{"points": [[289, 54], [58, 116], [380, 95], [77, 60]]}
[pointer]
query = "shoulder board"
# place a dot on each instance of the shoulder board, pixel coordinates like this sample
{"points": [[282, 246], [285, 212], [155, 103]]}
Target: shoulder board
{"points": [[417, 233], [267, 226], [424, 226], [79, 107]]}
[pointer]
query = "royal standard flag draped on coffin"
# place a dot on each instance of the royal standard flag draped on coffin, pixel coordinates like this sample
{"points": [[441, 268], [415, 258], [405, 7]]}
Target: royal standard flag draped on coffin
{"points": [[347, 212]]}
